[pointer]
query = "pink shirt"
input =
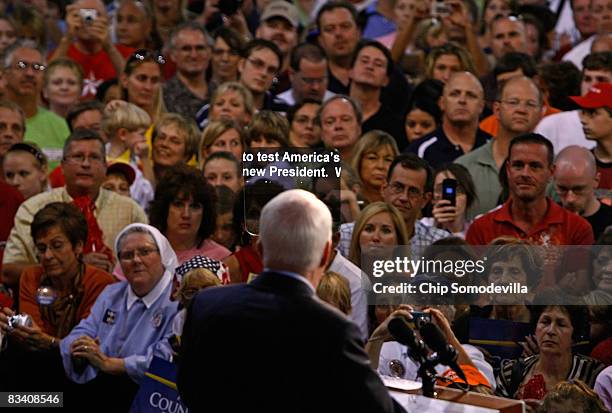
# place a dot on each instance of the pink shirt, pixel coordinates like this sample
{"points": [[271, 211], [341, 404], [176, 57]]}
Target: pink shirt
{"points": [[208, 249]]}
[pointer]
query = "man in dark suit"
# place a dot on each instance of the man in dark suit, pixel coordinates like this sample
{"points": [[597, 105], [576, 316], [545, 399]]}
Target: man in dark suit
{"points": [[272, 345]]}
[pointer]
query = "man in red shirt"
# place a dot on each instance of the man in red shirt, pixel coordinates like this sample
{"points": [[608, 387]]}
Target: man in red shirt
{"points": [[529, 214], [87, 41]]}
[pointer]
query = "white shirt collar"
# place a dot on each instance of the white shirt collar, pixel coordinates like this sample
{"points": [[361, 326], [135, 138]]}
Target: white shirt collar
{"points": [[153, 295]]}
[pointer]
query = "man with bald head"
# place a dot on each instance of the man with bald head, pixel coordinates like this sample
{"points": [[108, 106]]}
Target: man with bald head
{"points": [[518, 108], [461, 102], [575, 181], [88, 42]]}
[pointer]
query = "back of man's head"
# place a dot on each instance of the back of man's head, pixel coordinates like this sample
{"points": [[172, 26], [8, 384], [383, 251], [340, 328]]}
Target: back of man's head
{"points": [[295, 227]]}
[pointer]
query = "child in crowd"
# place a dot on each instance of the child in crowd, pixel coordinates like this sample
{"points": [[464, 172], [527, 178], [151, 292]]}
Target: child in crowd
{"points": [[119, 178]]}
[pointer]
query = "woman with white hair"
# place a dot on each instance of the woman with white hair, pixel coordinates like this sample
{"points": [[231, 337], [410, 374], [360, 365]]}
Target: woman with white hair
{"points": [[111, 349]]}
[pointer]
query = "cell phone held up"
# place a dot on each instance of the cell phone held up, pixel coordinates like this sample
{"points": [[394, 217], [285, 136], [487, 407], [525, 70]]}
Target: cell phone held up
{"points": [[449, 190], [439, 9]]}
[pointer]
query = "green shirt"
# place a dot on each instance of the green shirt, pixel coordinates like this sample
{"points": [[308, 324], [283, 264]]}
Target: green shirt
{"points": [[484, 173], [49, 131]]}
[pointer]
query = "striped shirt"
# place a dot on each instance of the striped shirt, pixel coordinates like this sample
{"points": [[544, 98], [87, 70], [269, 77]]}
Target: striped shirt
{"points": [[583, 368]]}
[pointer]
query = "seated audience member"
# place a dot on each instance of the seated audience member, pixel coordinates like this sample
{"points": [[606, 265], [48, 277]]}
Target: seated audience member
{"points": [[107, 213], [304, 131], [572, 396], [230, 101], [133, 24], [510, 261], [12, 121], [141, 82], [62, 87], [556, 329], [374, 152], [308, 75], [90, 45], [222, 135], [125, 126], [227, 47], [120, 178], [174, 142], [245, 263], [24, 66], [334, 290], [452, 218], [408, 188], [224, 228], [86, 115], [378, 229], [267, 130], [518, 108], [424, 115], [391, 358], [184, 211], [56, 294], [371, 69], [222, 169], [576, 179], [443, 61], [25, 167], [600, 320], [195, 274], [340, 120], [565, 129], [558, 81], [603, 387], [596, 118], [529, 214], [110, 350], [108, 91], [338, 264], [461, 104], [187, 91]]}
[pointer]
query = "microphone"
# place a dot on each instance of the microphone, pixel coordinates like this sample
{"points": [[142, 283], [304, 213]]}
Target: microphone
{"points": [[403, 334], [447, 354]]}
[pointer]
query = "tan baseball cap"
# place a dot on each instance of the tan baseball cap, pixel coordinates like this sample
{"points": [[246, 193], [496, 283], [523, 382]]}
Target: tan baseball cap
{"points": [[282, 9]]}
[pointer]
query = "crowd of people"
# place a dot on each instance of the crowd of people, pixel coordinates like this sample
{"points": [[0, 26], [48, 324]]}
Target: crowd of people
{"points": [[123, 129]]}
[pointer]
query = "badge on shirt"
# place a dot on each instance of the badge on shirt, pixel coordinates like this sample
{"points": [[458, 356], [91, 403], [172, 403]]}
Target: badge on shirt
{"points": [[45, 295], [397, 368], [157, 320], [109, 316]]}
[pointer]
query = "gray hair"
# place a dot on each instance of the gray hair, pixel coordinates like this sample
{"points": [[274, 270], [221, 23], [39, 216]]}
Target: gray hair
{"points": [[294, 228], [133, 230], [192, 26], [353, 102], [21, 44]]}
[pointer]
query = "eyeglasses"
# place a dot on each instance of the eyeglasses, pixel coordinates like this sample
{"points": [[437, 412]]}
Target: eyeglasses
{"points": [[139, 252], [260, 64], [23, 66], [515, 103], [142, 55], [80, 158], [399, 188]]}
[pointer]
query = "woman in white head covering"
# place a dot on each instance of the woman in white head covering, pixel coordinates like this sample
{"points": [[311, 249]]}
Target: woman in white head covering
{"points": [[116, 340]]}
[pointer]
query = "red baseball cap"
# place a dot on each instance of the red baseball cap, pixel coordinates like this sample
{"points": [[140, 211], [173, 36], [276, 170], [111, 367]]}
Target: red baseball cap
{"points": [[122, 168], [599, 95]]}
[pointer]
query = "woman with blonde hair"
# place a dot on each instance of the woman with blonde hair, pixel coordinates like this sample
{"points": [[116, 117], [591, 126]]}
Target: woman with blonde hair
{"points": [[374, 153], [334, 289], [572, 396], [379, 226], [443, 61], [231, 101], [222, 135]]}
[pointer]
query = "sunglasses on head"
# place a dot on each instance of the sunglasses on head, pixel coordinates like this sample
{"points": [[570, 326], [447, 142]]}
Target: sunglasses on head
{"points": [[142, 55], [26, 147]]}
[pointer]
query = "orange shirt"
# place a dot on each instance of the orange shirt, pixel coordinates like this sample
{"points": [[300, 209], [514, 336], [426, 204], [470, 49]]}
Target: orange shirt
{"points": [[490, 124], [94, 281]]}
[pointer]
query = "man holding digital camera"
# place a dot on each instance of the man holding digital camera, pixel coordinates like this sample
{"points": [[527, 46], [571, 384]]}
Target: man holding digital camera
{"points": [[88, 42]]}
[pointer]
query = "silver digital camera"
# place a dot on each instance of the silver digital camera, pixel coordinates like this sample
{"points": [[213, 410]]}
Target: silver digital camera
{"points": [[19, 320], [88, 15]]}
